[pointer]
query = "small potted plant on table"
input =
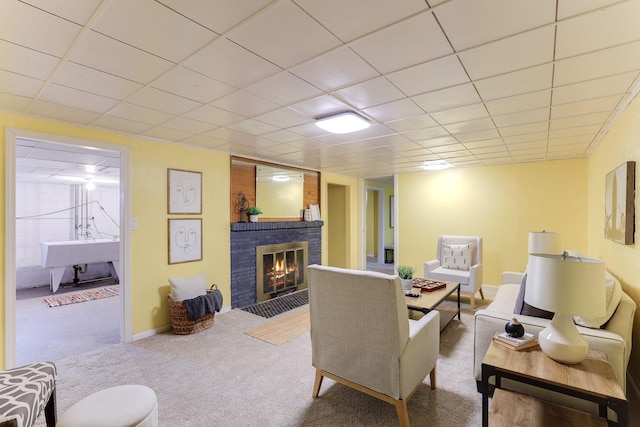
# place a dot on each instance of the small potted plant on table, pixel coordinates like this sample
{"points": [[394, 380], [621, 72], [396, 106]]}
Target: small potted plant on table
{"points": [[253, 213], [406, 275]]}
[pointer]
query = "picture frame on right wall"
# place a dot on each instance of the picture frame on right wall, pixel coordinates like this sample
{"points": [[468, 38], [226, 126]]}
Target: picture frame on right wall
{"points": [[619, 215]]}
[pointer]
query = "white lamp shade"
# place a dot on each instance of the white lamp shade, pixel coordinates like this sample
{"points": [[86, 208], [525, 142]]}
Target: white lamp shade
{"points": [[544, 242], [565, 284]]}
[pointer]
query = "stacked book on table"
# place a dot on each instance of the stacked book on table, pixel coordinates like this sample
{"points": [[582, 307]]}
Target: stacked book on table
{"points": [[526, 341]]}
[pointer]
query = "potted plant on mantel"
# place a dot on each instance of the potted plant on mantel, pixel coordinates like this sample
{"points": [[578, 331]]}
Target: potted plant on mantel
{"points": [[253, 213], [406, 276]]}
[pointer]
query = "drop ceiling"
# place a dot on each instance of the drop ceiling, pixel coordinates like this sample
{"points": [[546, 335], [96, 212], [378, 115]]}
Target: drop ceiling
{"points": [[472, 82]]}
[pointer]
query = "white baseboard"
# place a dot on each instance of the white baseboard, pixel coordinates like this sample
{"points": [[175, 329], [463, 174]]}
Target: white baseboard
{"points": [[165, 328]]}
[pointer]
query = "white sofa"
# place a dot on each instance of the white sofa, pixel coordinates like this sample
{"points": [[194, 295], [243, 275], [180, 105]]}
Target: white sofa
{"points": [[614, 339]]}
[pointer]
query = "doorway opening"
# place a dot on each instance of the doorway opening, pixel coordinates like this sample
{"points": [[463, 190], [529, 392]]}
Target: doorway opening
{"points": [[66, 205], [379, 229]]}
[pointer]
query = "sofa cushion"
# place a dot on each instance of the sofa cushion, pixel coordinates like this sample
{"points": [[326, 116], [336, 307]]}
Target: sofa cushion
{"points": [[188, 287], [614, 294], [525, 309], [457, 257]]}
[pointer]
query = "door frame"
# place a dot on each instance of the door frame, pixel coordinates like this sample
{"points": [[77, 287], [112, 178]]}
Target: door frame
{"points": [[381, 221], [10, 237]]}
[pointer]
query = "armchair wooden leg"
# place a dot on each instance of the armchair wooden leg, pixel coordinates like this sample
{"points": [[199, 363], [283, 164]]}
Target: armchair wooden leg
{"points": [[403, 414], [481, 293], [317, 383], [432, 378]]}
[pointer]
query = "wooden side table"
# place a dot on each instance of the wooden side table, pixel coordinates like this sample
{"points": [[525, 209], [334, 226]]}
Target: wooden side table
{"points": [[592, 379]]}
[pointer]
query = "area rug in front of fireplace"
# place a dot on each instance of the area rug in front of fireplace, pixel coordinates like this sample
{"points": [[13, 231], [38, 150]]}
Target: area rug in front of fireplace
{"points": [[89, 295], [282, 329], [279, 305]]}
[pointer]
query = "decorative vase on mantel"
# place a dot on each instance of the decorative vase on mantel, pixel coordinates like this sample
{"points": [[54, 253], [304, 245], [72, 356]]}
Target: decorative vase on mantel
{"points": [[253, 218]]}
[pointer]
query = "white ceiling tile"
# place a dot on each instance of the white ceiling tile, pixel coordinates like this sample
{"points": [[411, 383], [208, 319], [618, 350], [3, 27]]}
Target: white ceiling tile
{"points": [[284, 118], [528, 145], [187, 125], [430, 76], [472, 23], [33, 28], [604, 104], [199, 87], [294, 36], [284, 88], [77, 99], [602, 63], [232, 135], [420, 134], [567, 8], [522, 117], [164, 101], [245, 104], [283, 136], [412, 123], [516, 83], [514, 104], [167, 134], [27, 62], [338, 68], [445, 99], [607, 26], [144, 24], [140, 114], [487, 144], [222, 60], [506, 55], [477, 135], [94, 81], [213, 115], [78, 11], [589, 130], [204, 141], [459, 114], [103, 53], [536, 128], [470, 126], [320, 106], [219, 15], [370, 93], [578, 121], [618, 84], [17, 84], [526, 137], [61, 112], [14, 102], [409, 42], [394, 110], [359, 17]]}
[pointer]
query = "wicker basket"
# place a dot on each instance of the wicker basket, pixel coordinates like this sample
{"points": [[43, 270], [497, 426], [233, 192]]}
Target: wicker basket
{"points": [[182, 325]]}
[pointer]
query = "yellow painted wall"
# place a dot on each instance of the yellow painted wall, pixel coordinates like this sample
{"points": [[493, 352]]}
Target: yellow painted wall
{"points": [[150, 269], [621, 144], [500, 203], [353, 226], [337, 216]]}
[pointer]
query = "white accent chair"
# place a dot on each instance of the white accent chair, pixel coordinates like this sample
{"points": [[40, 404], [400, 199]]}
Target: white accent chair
{"points": [[362, 337], [459, 265]]}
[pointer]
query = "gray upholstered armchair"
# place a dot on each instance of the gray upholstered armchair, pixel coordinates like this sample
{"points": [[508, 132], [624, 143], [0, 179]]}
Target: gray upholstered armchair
{"points": [[458, 259], [362, 337]]}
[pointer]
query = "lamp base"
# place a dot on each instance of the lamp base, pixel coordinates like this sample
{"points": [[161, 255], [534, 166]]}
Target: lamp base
{"points": [[562, 342]]}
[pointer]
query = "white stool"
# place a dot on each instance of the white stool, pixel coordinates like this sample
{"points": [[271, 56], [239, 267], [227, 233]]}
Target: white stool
{"points": [[120, 406]]}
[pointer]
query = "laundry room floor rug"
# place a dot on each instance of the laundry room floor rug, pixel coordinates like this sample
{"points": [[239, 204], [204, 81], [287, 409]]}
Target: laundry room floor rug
{"points": [[89, 295]]}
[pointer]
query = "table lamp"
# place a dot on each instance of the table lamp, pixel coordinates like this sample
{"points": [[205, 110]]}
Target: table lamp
{"points": [[544, 242], [568, 286]]}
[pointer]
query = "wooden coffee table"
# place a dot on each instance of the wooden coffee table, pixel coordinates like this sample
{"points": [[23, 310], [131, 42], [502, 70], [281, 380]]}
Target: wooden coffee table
{"points": [[432, 301]]}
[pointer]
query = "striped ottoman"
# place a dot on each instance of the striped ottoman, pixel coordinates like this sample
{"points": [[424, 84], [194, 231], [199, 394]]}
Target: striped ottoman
{"points": [[120, 406]]}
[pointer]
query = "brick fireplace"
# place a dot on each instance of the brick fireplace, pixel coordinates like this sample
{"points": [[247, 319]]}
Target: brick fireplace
{"points": [[282, 239]]}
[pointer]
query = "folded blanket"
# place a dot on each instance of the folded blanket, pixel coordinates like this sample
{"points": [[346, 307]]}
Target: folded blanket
{"points": [[203, 304]]}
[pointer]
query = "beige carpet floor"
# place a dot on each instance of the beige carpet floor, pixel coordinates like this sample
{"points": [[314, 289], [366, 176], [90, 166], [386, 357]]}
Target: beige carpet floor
{"points": [[223, 376]]}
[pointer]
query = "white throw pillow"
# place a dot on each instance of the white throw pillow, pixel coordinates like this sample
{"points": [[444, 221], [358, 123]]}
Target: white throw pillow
{"points": [[188, 287], [457, 257], [614, 294]]}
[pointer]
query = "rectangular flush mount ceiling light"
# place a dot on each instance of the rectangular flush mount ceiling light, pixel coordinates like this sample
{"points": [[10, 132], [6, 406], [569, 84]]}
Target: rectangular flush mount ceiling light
{"points": [[343, 123], [436, 165]]}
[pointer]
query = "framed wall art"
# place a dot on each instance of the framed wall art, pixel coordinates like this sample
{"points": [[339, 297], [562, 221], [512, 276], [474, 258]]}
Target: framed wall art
{"points": [[619, 211], [185, 240], [184, 192]]}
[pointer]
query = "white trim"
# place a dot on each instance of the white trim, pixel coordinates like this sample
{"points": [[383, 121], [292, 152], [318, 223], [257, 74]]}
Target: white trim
{"points": [[10, 225]]}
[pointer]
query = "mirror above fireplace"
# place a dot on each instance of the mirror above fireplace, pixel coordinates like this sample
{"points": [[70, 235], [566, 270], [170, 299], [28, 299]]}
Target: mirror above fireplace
{"points": [[279, 191]]}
